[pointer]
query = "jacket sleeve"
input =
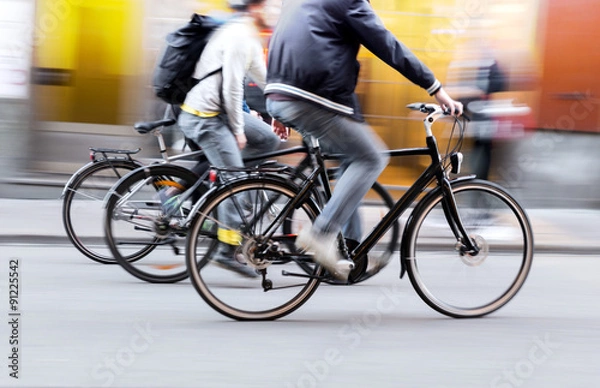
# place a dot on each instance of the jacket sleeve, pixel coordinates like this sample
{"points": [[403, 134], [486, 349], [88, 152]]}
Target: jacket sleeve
{"points": [[371, 33], [234, 69], [258, 68]]}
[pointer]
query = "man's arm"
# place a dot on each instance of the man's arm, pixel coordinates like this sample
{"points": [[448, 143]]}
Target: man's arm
{"points": [[372, 34], [232, 92]]}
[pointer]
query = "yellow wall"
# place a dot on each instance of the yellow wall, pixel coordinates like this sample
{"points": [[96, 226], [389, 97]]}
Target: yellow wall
{"points": [[99, 43], [426, 28], [104, 44]]}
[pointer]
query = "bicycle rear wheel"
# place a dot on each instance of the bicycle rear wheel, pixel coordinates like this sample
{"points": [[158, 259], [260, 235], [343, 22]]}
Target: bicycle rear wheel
{"points": [[136, 225], [457, 283], [249, 211], [82, 207]]}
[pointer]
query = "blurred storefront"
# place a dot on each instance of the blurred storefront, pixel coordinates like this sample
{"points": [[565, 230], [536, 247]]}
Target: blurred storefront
{"points": [[16, 40], [87, 68], [92, 64]]}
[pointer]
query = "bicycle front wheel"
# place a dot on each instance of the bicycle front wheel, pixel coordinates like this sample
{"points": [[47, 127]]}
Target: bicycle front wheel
{"points": [[82, 210], [458, 283], [145, 241], [241, 253]]}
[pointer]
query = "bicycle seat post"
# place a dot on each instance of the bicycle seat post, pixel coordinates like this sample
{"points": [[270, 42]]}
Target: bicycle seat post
{"points": [[162, 147], [314, 142], [170, 112]]}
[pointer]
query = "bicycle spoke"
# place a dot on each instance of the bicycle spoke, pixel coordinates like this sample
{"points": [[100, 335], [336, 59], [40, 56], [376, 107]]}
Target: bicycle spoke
{"points": [[459, 282], [83, 206], [138, 226], [224, 280]]}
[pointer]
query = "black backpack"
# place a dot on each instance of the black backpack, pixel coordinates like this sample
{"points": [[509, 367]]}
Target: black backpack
{"points": [[172, 78], [495, 77]]}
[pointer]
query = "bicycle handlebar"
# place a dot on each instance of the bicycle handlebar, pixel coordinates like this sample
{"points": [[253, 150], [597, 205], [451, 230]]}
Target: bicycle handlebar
{"points": [[432, 109], [425, 107]]}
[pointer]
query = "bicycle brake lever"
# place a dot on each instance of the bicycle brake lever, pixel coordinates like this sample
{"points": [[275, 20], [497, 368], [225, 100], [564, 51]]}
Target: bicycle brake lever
{"points": [[416, 106]]}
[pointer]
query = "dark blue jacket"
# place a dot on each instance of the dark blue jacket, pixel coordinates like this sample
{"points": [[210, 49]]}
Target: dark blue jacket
{"points": [[313, 52]]}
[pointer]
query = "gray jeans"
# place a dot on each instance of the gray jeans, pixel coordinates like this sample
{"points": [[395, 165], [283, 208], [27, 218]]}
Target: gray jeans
{"points": [[362, 159], [219, 144], [221, 149]]}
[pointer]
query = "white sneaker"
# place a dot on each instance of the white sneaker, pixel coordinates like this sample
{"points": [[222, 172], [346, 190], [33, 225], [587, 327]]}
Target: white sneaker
{"points": [[325, 249]]}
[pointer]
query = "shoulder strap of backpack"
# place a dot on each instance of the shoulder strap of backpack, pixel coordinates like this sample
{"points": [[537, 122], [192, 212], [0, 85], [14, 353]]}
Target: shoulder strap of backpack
{"points": [[211, 73]]}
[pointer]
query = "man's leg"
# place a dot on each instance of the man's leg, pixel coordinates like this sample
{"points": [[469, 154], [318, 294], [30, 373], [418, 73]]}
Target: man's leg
{"points": [[221, 150], [361, 149], [260, 136], [362, 153]]}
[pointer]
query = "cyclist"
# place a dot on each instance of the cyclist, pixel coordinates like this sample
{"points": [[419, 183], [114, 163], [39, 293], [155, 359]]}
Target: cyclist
{"points": [[311, 77], [213, 116]]}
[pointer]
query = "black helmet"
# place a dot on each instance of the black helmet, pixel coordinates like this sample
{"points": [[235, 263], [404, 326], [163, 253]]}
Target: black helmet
{"points": [[242, 5]]}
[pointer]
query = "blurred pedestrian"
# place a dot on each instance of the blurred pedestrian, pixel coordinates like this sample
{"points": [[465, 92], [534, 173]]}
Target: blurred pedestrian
{"points": [[490, 79]]}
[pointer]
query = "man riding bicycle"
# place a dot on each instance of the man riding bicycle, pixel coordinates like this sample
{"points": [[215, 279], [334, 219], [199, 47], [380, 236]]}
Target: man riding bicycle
{"points": [[311, 79]]}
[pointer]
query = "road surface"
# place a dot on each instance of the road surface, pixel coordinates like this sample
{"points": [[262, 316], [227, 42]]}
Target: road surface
{"points": [[83, 324]]}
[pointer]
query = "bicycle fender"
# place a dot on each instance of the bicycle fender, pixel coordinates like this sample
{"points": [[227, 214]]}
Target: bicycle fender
{"points": [[82, 169], [410, 221], [73, 177]]}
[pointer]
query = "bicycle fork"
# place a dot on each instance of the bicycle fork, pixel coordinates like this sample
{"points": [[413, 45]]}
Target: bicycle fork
{"points": [[464, 242]]}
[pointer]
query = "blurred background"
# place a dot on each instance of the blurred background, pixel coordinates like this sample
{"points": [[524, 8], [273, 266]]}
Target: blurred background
{"points": [[76, 74]]}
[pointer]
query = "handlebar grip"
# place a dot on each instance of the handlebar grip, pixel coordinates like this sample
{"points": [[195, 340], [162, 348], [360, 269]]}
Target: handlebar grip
{"points": [[448, 113], [423, 107]]}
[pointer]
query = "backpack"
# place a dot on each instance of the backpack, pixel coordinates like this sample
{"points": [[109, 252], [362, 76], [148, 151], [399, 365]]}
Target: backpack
{"points": [[494, 78], [173, 75]]}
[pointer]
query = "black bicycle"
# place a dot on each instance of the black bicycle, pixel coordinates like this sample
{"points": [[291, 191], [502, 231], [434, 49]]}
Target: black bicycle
{"points": [[467, 245], [138, 226]]}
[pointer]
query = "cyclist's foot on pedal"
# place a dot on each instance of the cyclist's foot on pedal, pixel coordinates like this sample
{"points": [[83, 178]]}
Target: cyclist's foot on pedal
{"points": [[228, 257], [325, 249]]}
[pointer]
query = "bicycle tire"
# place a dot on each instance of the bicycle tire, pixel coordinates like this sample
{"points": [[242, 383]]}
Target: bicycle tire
{"points": [[145, 242], [452, 281], [272, 294], [90, 185]]}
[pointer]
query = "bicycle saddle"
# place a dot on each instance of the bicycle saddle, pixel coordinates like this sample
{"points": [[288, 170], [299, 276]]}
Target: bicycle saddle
{"points": [[145, 127]]}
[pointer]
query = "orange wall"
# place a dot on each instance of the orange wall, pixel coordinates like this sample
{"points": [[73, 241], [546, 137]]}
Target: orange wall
{"points": [[570, 82]]}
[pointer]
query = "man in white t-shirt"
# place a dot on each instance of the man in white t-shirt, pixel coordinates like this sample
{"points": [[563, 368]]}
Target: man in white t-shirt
{"points": [[213, 116]]}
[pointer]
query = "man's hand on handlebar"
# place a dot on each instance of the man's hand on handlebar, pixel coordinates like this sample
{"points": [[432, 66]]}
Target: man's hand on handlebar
{"points": [[447, 103]]}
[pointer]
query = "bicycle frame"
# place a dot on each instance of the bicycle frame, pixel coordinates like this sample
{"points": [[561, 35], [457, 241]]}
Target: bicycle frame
{"points": [[260, 170], [435, 172], [271, 211]]}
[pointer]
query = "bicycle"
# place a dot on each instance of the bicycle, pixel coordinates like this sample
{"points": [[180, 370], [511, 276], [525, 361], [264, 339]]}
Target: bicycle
{"points": [[136, 224], [467, 245], [87, 187]]}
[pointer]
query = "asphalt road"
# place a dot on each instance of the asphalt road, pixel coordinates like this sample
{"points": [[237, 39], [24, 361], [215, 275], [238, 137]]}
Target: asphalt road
{"points": [[82, 324]]}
